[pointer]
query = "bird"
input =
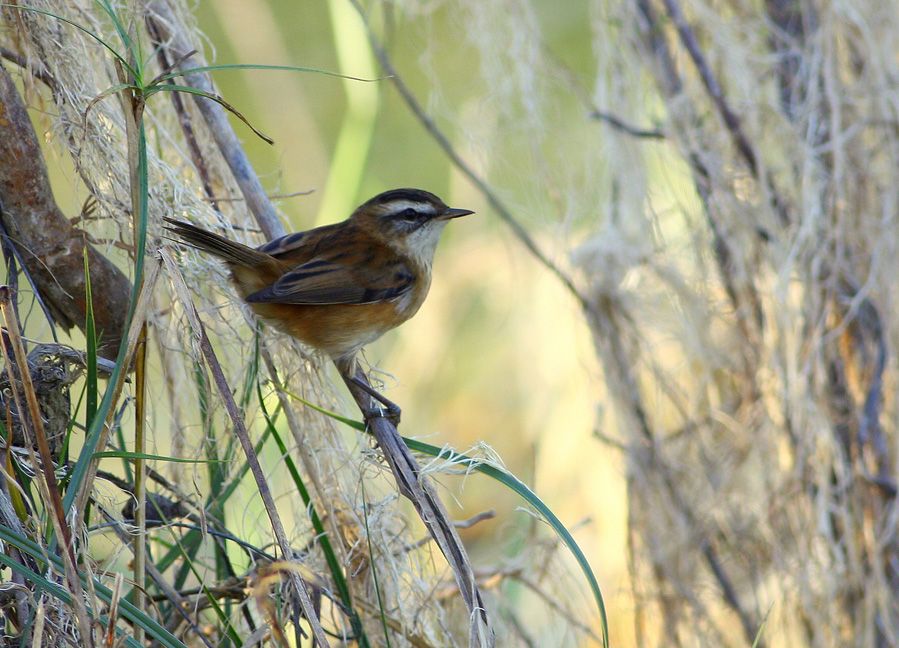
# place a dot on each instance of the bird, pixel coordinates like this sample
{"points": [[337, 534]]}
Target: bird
{"points": [[339, 287]]}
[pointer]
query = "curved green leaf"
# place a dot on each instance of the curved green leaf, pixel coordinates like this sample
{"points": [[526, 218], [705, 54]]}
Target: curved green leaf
{"points": [[507, 479]]}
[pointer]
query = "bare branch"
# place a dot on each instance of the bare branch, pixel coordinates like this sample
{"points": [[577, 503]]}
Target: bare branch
{"points": [[442, 140]]}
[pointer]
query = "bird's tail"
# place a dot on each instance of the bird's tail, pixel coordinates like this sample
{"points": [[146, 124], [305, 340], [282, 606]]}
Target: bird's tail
{"points": [[226, 249]]}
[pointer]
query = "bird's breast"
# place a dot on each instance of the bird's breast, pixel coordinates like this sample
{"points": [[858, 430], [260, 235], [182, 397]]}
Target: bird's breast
{"points": [[407, 304]]}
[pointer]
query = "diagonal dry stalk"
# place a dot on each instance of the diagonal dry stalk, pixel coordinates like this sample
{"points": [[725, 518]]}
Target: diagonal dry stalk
{"points": [[403, 464], [418, 489], [34, 423], [243, 436], [172, 36]]}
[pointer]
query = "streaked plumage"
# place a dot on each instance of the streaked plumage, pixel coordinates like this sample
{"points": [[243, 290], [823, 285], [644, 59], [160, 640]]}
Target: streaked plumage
{"points": [[340, 286]]}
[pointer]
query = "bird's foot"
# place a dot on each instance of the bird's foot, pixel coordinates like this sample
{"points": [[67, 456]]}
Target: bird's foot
{"points": [[390, 410]]}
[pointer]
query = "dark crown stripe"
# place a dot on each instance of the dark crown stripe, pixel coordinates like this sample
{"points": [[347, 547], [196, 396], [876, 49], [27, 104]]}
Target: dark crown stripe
{"points": [[411, 195]]}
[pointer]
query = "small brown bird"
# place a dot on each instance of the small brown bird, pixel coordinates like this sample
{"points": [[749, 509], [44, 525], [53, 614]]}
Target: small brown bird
{"points": [[339, 287]]}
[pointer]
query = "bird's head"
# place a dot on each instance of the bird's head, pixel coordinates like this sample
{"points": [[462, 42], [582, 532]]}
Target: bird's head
{"points": [[409, 220]]}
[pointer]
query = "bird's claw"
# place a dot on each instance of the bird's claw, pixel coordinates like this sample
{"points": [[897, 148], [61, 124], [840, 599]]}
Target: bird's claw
{"points": [[391, 412]]}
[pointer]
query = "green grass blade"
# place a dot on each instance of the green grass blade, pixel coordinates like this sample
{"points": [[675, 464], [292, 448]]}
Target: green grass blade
{"points": [[120, 437], [169, 87], [131, 47], [353, 423], [90, 333], [127, 610], [758, 635], [510, 481], [255, 66], [343, 590]]}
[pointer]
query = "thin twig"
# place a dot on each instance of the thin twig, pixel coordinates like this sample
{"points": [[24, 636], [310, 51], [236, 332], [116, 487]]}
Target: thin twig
{"points": [[293, 194], [731, 120], [619, 124], [459, 524], [39, 73], [442, 140], [243, 437], [168, 30], [583, 96]]}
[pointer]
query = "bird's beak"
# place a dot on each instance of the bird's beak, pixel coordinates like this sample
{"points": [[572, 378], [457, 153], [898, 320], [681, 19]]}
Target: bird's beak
{"points": [[454, 213]]}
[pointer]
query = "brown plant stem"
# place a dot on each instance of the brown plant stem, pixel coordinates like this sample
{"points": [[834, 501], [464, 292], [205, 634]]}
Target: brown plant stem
{"points": [[190, 137], [50, 248], [140, 479], [243, 437], [417, 488], [35, 425], [173, 37]]}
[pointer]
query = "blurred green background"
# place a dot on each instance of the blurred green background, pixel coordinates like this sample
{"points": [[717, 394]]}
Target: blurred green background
{"points": [[499, 353]]}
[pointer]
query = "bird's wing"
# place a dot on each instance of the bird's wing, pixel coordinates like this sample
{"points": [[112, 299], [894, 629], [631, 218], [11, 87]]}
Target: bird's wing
{"points": [[303, 246], [284, 244], [322, 281]]}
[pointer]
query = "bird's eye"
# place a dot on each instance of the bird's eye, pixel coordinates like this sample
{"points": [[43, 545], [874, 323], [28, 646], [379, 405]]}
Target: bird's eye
{"points": [[407, 215]]}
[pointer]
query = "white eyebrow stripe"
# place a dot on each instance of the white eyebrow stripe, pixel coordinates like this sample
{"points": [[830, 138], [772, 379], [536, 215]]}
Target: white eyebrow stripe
{"points": [[396, 206]]}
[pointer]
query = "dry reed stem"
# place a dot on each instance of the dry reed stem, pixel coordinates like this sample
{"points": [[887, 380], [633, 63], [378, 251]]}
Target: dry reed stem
{"points": [[417, 488], [242, 434], [34, 424], [173, 35], [139, 567]]}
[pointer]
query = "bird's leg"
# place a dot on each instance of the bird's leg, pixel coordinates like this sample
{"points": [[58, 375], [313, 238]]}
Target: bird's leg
{"points": [[363, 392]]}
